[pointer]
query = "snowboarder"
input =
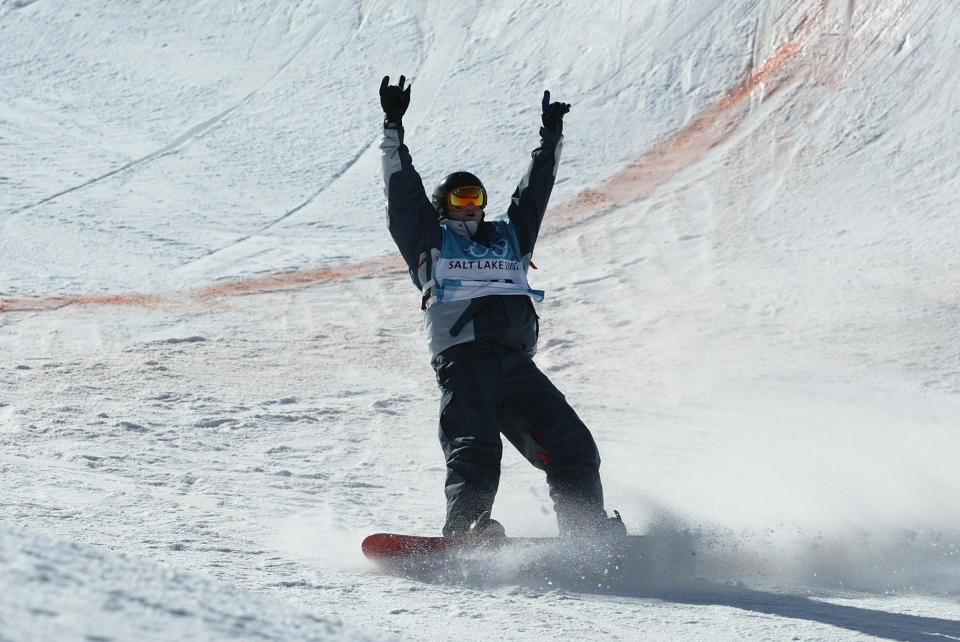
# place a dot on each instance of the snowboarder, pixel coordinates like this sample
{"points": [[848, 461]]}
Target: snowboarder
{"points": [[482, 329]]}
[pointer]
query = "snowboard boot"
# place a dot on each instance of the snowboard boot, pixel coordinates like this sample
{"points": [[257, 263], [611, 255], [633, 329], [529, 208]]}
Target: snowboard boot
{"points": [[483, 527], [612, 526], [594, 526]]}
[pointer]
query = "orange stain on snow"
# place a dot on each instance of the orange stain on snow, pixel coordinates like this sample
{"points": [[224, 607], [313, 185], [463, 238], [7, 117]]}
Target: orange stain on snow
{"points": [[269, 283], [689, 145], [299, 278], [683, 149]]}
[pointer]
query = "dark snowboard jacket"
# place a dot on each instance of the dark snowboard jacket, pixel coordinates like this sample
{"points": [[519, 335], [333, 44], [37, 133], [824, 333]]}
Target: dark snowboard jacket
{"points": [[505, 321]]}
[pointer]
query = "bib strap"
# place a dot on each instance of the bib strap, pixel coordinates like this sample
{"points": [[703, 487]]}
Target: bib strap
{"points": [[468, 314]]}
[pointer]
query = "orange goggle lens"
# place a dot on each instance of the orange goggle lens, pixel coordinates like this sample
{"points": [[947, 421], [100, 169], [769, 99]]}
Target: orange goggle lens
{"points": [[462, 197]]}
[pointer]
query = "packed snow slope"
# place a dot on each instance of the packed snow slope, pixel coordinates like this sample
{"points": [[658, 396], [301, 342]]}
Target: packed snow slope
{"points": [[753, 282]]}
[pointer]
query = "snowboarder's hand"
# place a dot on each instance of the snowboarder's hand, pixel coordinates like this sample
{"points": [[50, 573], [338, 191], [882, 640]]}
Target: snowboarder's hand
{"points": [[394, 99], [553, 113]]}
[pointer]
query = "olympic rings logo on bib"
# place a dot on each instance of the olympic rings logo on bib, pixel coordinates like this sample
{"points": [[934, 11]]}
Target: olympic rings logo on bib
{"points": [[499, 249]]}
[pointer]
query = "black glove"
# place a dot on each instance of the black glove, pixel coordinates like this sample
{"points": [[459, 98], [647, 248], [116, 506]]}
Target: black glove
{"points": [[394, 99], [553, 113]]}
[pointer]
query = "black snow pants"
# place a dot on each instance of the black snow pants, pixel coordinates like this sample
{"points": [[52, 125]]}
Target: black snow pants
{"points": [[488, 390]]}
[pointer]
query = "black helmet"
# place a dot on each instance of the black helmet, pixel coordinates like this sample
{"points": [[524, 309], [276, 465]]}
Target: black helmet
{"points": [[448, 184]]}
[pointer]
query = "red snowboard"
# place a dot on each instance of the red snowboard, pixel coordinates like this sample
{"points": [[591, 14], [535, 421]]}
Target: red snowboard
{"points": [[542, 559], [383, 546]]}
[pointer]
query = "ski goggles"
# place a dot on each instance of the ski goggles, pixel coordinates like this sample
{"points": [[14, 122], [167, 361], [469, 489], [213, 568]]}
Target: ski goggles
{"points": [[461, 198]]}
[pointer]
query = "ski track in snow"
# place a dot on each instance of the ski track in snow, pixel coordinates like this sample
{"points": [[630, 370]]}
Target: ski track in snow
{"points": [[769, 363], [185, 138]]}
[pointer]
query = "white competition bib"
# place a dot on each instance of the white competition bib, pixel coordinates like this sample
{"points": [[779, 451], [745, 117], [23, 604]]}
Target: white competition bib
{"points": [[467, 269]]}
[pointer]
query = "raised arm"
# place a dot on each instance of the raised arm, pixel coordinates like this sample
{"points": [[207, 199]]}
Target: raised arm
{"points": [[411, 219], [529, 201]]}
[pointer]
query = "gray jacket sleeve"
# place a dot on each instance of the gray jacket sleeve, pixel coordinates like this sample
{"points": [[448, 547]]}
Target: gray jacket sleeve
{"points": [[411, 219], [529, 201]]}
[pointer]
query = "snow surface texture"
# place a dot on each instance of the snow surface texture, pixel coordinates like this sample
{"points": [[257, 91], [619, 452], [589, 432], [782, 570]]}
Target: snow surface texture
{"points": [[753, 300]]}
